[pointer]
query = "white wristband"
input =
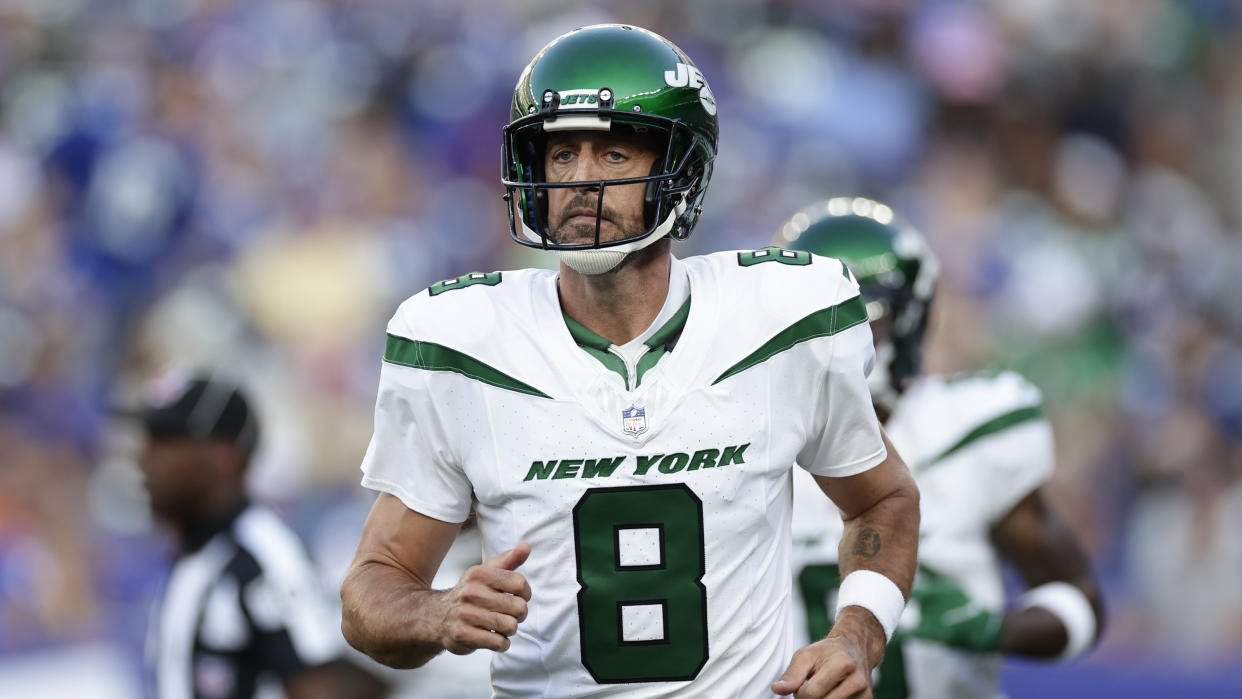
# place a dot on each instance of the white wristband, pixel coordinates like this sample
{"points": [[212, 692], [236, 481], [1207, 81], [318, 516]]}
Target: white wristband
{"points": [[877, 594], [1068, 604]]}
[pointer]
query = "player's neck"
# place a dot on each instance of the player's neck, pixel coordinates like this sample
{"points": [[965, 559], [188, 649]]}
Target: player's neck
{"points": [[621, 304]]}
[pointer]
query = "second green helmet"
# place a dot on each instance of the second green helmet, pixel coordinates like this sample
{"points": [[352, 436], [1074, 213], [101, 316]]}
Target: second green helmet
{"points": [[896, 273]]}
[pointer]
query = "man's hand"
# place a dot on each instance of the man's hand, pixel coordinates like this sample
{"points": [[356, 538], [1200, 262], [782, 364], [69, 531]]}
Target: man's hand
{"points": [[839, 666], [484, 609]]}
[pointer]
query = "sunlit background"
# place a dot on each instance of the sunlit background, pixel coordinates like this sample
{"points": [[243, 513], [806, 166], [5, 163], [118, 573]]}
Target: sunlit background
{"points": [[256, 184]]}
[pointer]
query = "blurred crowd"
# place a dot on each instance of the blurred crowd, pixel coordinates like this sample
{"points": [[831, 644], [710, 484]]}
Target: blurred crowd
{"points": [[255, 185]]}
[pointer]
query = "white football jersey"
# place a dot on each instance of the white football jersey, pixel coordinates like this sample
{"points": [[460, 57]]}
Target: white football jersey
{"points": [[977, 444], [653, 486]]}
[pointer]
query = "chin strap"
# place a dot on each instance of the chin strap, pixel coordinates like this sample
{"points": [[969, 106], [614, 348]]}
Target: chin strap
{"points": [[600, 260], [592, 262]]}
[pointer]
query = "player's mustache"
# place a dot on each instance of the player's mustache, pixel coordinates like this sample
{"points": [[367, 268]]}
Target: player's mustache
{"points": [[582, 201]]}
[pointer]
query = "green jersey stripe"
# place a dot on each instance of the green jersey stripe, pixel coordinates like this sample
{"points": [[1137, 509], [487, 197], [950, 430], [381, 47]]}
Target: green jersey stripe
{"points": [[828, 321], [648, 360], [610, 361], [584, 336], [671, 329], [428, 355], [996, 424]]}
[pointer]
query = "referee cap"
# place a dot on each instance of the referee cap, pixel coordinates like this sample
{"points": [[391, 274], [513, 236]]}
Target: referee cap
{"points": [[198, 406]]}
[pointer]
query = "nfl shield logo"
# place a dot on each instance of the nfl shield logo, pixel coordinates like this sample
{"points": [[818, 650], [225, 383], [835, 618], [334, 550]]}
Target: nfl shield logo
{"points": [[634, 420]]}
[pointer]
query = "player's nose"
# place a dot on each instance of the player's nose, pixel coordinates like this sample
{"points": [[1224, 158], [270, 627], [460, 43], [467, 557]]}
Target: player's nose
{"points": [[586, 169]]}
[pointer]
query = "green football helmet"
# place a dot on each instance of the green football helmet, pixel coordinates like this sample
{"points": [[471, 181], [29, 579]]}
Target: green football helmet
{"points": [[896, 273], [610, 77]]}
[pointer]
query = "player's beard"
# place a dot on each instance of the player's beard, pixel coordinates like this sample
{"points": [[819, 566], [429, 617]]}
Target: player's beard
{"points": [[585, 232], [596, 261]]}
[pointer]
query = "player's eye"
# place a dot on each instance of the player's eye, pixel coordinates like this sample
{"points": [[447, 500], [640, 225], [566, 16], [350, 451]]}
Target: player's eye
{"points": [[562, 156], [614, 156]]}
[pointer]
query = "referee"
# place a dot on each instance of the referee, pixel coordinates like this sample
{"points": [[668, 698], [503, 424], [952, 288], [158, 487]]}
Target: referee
{"points": [[243, 609]]}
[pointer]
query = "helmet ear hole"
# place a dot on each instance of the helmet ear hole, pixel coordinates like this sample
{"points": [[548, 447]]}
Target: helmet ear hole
{"points": [[666, 144], [537, 203], [651, 197], [541, 211]]}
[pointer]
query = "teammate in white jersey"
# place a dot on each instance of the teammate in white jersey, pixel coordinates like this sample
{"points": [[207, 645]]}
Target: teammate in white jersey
{"points": [[626, 426], [980, 449]]}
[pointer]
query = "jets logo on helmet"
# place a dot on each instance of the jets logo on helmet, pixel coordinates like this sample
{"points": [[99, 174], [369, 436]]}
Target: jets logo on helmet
{"points": [[618, 79], [690, 76], [896, 274]]}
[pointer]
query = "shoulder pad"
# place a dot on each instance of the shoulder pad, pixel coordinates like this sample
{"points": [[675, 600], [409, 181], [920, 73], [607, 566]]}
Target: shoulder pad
{"points": [[461, 326], [958, 411], [768, 301], [994, 391], [775, 282]]}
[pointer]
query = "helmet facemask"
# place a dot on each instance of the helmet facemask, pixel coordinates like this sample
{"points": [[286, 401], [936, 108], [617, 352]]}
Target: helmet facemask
{"points": [[621, 80], [898, 322], [672, 187]]}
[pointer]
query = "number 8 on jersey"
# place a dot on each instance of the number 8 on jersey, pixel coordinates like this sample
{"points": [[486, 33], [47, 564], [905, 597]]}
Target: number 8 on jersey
{"points": [[642, 605]]}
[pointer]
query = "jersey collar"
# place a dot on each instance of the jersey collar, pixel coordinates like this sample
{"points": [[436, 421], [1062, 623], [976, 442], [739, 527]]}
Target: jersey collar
{"points": [[665, 337], [659, 339]]}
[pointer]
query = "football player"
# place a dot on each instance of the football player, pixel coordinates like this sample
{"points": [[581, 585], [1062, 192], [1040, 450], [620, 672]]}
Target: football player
{"points": [[627, 423], [980, 449]]}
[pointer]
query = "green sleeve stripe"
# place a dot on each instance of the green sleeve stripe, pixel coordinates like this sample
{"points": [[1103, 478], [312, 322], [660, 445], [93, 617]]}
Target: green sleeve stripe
{"points": [[828, 321], [432, 357], [996, 424]]}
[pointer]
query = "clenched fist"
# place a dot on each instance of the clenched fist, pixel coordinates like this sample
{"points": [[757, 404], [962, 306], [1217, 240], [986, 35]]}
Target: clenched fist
{"points": [[484, 609]]}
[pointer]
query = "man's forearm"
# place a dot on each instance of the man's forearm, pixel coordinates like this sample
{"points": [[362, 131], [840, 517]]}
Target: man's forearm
{"points": [[884, 538], [377, 619], [1045, 552]]}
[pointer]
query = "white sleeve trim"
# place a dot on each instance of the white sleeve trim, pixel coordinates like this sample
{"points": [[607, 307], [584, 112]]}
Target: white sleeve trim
{"points": [[845, 470], [411, 502]]}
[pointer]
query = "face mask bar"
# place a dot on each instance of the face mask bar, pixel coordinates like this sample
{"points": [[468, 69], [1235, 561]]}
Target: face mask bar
{"points": [[541, 228], [531, 196], [905, 323]]}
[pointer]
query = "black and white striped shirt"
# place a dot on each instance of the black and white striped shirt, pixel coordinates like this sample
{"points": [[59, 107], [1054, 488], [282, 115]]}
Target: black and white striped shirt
{"points": [[243, 606]]}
